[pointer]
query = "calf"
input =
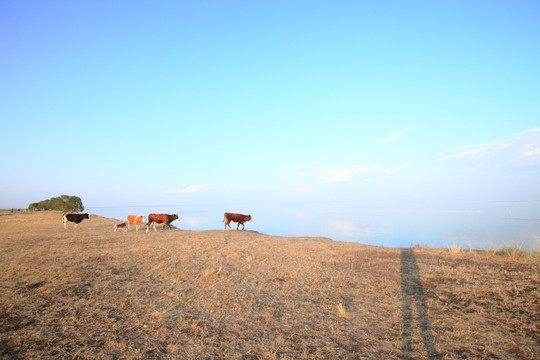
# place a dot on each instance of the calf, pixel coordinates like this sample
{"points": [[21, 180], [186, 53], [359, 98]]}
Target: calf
{"points": [[135, 219], [164, 219], [237, 218], [122, 226], [76, 218]]}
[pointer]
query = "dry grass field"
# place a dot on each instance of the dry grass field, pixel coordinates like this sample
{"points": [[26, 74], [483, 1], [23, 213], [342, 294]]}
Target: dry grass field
{"points": [[94, 293]]}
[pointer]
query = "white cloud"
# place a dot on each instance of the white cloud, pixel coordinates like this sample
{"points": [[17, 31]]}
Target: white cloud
{"points": [[191, 221], [349, 229], [532, 152], [395, 135], [192, 189], [345, 174], [458, 155], [505, 147]]}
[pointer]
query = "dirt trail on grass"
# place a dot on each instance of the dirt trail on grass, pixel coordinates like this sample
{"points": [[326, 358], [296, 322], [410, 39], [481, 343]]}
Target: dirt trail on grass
{"points": [[96, 293]]}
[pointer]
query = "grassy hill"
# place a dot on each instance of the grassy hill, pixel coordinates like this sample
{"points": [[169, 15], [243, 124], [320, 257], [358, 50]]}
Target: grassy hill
{"points": [[95, 293]]}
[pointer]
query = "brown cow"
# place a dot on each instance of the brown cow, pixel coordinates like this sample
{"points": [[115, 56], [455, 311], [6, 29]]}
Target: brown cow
{"points": [[164, 219], [237, 218], [135, 219]]}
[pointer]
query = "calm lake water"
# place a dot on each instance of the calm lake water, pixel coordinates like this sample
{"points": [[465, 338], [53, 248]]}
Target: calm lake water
{"points": [[476, 225]]}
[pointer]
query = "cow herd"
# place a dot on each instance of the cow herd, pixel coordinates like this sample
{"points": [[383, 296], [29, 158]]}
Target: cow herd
{"points": [[154, 219]]}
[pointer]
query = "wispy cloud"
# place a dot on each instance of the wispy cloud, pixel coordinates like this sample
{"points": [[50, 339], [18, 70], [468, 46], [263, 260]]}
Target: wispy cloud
{"points": [[192, 189], [396, 135], [532, 152], [344, 174], [507, 146], [457, 155]]}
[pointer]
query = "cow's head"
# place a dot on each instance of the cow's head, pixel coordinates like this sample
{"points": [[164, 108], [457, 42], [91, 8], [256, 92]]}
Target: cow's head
{"points": [[85, 216], [174, 217], [248, 218], [143, 218]]}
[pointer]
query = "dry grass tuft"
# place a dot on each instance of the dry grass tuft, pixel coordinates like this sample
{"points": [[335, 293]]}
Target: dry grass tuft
{"points": [[94, 293], [208, 273], [511, 253], [418, 246], [454, 250], [342, 312]]}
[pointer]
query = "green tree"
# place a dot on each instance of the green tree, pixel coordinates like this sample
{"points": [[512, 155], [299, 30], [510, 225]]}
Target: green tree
{"points": [[56, 203], [74, 203], [62, 203]]}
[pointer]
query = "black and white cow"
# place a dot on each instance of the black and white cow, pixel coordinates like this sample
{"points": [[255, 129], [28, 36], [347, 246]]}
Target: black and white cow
{"points": [[76, 218]]}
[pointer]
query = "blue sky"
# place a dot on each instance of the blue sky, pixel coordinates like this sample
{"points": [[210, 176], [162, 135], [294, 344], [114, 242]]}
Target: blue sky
{"points": [[171, 102]]}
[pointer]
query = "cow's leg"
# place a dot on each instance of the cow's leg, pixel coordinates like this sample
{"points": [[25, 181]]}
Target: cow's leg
{"points": [[227, 222], [129, 227], [242, 226], [237, 226], [148, 225], [154, 226]]}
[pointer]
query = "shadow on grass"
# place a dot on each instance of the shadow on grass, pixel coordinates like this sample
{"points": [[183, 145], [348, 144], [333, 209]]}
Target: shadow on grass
{"points": [[413, 294]]}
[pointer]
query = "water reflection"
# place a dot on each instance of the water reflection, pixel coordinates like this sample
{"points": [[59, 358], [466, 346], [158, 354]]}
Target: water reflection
{"points": [[476, 225]]}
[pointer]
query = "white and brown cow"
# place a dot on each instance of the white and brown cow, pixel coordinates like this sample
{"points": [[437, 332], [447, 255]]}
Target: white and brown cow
{"points": [[122, 226], [135, 219]]}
